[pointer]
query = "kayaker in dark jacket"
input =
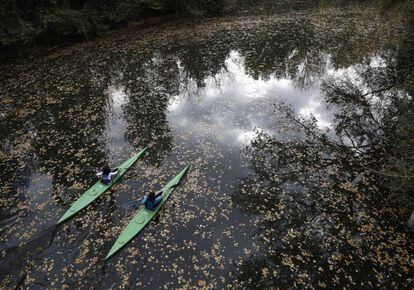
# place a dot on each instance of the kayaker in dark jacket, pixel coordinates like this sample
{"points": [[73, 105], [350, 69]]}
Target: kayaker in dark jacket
{"points": [[107, 175], [152, 200]]}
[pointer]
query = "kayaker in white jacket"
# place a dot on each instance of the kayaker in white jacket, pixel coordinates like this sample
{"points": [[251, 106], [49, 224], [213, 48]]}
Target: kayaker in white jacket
{"points": [[107, 175]]}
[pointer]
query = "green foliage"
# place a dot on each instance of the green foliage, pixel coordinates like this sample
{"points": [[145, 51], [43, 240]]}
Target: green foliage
{"points": [[65, 21], [121, 11], [55, 21], [12, 28]]}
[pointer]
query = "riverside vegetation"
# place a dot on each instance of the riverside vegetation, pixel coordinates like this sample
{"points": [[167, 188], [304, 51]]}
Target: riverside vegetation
{"points": [[54, 21]]}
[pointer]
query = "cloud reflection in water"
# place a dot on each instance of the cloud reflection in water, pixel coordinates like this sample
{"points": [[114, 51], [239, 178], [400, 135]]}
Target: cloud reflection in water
{"points": [[232, 104]]}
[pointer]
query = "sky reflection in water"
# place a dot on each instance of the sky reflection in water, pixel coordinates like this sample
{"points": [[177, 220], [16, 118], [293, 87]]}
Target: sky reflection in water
{"points": [[115, 123], [232, 104]]}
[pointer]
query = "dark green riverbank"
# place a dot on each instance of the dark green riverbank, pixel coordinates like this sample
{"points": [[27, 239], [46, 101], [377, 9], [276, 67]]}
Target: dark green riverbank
{"points": [[24, 24]]}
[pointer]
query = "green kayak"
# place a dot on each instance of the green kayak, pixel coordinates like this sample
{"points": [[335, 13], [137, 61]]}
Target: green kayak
{"points": [[99, 188], [144, 216]]}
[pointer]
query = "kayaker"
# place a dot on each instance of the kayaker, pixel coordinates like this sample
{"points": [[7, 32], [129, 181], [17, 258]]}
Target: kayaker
{"points": [[106, 175], [152, 200]]}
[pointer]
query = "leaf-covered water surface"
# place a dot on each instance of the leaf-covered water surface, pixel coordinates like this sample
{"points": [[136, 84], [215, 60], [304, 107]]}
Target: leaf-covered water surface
{"points": [[285, 120]]}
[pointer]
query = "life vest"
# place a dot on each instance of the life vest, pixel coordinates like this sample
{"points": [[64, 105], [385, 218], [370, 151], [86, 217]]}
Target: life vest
{"points": [[105, 178], [150, 204]]}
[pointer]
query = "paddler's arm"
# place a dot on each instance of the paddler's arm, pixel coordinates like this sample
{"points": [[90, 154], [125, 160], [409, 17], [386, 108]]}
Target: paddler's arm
{"points": [[99, 174], [144, 200], [112, 174]]}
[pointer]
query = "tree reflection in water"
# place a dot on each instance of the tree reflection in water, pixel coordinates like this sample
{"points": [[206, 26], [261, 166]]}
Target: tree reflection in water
{"points": [[333, 205]]}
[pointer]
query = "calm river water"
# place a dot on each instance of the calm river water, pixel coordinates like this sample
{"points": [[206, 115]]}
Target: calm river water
{"points": [[196, 94]]}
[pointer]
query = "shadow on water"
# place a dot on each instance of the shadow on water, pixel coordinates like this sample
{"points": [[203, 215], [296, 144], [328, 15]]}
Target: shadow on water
{"points": [[286, 121]]}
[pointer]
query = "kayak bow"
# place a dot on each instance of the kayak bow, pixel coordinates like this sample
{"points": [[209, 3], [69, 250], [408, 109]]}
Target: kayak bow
{"points": [[144, 215], [99, 188]]}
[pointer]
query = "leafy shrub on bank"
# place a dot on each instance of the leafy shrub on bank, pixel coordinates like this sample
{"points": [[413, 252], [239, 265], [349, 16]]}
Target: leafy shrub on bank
{"points": [[56, 21], [12, 27], [66, 21]]}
